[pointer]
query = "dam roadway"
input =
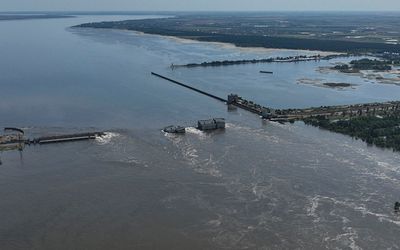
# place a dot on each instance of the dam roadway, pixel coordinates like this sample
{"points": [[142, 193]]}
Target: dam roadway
{"points": [[189, 87], [286, 115]]}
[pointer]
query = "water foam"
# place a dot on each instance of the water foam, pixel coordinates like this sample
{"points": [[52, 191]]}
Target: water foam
{"points": [[314, 203], [260, 133], [106, 138], [195, 131], [350, 236]]}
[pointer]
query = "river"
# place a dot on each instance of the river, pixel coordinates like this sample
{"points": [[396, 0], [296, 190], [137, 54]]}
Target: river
{"points": [[256, 185]]}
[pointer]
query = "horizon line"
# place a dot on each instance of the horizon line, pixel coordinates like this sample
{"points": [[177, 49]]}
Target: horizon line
{"points": [[193, 11]]}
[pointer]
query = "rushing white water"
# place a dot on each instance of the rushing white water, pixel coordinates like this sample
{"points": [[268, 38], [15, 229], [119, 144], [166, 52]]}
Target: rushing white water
{"points": [[106, 138]]}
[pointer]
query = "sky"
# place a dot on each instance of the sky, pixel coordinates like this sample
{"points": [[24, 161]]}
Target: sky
{"points": [[199, 5]]}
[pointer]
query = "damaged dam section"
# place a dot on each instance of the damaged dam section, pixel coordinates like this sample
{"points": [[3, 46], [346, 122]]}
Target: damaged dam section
{"points": [[378, 122], [15, 138]]}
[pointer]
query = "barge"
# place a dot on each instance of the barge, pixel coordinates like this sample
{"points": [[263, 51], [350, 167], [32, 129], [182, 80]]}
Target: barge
{"points": [[211, 124], [174, 129]]}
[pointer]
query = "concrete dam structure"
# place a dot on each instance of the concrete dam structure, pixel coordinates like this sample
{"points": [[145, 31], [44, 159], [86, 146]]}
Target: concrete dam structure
{"points": [[287, 115], [8, 141]]}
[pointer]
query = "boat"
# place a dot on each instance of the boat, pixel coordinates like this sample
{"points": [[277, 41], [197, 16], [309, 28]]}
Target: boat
{"points": [[175, 129]]}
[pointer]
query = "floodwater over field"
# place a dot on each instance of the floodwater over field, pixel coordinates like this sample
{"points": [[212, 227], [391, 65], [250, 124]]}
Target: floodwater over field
{"points": [[256, 185]]}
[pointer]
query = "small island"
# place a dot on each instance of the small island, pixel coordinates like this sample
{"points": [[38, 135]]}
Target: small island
{"points": [[384, 70], [338, 84], [356, 66], [321, 83], [288, 59]]}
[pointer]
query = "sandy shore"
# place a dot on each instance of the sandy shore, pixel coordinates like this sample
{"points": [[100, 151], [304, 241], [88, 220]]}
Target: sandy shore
{"points": [[242, 49]]}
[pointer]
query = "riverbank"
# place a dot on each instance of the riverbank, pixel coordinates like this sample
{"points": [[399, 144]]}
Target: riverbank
{"points": [[244, 30], [381, 131], [247, 49]]}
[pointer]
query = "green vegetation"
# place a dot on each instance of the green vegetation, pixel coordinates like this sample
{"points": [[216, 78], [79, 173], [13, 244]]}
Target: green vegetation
{"points": [[368, 64], [342, 67], [379, 131], [394, 58], [227, 63], [338, 84], [253, 61], [364, 64]]}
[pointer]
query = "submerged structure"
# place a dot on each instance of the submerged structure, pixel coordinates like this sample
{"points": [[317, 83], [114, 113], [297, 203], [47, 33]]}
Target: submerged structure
{"points": [[211, 124], [12, 139], [11, 136], [16, 136]]}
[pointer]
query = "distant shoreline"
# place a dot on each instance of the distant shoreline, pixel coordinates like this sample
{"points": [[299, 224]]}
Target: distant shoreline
{"points": [[210, 40], [226, 45], [249, 32], [10, 17], [229, 45]]}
